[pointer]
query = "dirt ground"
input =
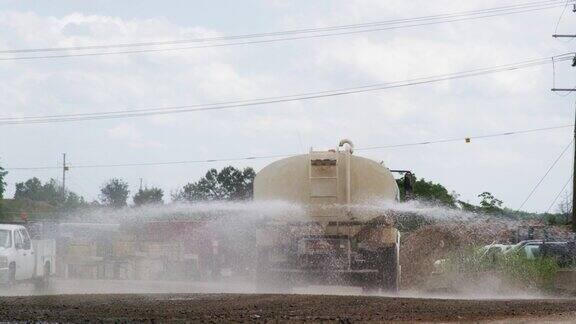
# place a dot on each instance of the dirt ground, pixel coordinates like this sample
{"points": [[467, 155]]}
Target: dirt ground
{"points": [[284, 308]]}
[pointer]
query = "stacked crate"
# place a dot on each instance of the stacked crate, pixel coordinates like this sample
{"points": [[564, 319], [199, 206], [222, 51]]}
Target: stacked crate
{"points": [[81, 260]]}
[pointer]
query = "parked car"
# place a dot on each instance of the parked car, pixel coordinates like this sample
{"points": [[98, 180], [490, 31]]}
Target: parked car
{"points": [[488, 251], [564, 252]]}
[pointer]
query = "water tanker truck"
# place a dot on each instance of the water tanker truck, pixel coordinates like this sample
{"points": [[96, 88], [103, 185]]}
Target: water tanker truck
{"points": [[340, 239]]}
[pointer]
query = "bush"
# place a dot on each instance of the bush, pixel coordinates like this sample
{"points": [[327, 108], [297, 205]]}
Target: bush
{"points": [[514, 267], [529, 273]]}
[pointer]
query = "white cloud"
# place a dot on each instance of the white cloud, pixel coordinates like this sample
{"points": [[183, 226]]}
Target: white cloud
{"points": [[483, 105], [131, 135]]}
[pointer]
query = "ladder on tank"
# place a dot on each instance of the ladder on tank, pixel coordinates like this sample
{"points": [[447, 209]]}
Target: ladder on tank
{"points": [[324, 177]]}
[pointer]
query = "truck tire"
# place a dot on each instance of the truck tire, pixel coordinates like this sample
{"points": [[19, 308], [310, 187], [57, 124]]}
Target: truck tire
{"points": [[11, 282], [43, 282], [389, 269], [372, 282]]}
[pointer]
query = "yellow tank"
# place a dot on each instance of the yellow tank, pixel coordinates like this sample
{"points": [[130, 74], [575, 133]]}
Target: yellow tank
{"points": [[326, 178]]}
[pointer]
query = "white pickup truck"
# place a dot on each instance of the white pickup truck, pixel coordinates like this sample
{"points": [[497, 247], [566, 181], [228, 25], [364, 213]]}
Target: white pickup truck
{"points": [[23, 259]]}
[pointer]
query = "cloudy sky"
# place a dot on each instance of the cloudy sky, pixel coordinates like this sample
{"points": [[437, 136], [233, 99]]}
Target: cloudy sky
{"points": [[516, 100]]}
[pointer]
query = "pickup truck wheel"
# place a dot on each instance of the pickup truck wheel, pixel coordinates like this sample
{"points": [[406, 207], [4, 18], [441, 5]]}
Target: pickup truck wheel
{"points": [[11, 282], [43, 282]]}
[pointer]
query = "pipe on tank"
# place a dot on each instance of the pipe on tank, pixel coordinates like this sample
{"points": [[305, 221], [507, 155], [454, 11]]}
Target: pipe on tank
{"points": [[349, 147], [348, 150]]}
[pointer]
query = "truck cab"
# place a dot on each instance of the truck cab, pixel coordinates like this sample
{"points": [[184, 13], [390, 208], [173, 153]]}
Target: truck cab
{"points": [[23, 259]]}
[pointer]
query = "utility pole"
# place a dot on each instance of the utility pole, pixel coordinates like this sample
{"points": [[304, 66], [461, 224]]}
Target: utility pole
{"points": [[570, 90], [140, 184], [574, 168], [574, 179], [64, 169]]}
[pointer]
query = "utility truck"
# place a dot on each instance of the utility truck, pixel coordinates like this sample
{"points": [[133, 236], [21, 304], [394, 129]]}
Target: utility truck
{"points": [[342, 236], [23, 259]]}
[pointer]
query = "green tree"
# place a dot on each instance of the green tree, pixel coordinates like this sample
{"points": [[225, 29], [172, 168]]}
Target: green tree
{"points": [[33, 189], [74, 201], [49, 192], [148, 196], [114, 193], [228, 184], [3, 174], [565, 207], [430, 192], [489, 203]]}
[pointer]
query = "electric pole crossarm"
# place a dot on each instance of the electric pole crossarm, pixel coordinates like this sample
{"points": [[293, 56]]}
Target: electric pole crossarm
{"points": [[563, 36]]}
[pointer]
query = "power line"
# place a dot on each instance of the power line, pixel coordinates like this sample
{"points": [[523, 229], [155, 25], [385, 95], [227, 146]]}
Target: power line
{"points": [[558, 195], [445, 18], [285, 32], [459, 139], [91, 166], [560, 20], [271, 156], [563, 188], [278, 99], [561, 16], [546, 174]]}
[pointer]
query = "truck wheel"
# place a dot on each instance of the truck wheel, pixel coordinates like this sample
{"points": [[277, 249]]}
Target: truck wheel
{"points": [[371, 282], [43, 282], [11, 282], [389, 269]]}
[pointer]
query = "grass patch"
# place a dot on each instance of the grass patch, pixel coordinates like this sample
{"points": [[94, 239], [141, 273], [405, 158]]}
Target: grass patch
{"points": [[514, 267]]}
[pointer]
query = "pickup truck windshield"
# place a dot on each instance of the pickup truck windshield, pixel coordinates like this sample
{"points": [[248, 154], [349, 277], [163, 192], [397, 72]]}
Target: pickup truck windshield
{"points": [[5, 239]]}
